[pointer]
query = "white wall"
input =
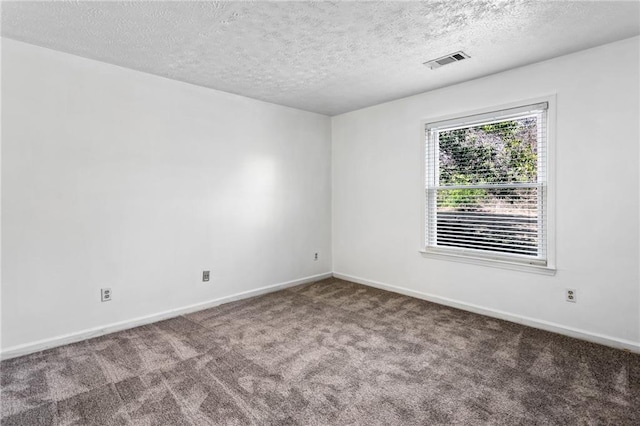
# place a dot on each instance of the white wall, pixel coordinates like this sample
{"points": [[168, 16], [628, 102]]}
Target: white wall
{"points": [[115, 178], [377, 192]]}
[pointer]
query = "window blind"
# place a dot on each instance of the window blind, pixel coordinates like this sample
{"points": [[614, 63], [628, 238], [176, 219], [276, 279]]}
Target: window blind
{"points": [[486, 185]]}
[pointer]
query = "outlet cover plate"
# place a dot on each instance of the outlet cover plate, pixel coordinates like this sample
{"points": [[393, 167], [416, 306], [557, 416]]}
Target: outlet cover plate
{"points": [[571, 295], [105, 294]]}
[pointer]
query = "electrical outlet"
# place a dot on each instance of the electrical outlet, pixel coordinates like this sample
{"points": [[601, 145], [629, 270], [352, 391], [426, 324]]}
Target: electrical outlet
{"points": [[571, 295], [205, 276], [105, 294], [315, 256]]}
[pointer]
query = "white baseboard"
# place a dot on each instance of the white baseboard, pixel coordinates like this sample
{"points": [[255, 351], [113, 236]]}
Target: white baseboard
{"points": [[40, 345], [519, 319]]}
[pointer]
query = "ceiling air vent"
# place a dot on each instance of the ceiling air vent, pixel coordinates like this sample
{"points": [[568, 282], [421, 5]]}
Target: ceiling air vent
{"points": [[449, 59]]}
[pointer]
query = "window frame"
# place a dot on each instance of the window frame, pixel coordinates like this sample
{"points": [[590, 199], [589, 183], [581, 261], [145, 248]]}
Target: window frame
{"points": [[487, 258]]}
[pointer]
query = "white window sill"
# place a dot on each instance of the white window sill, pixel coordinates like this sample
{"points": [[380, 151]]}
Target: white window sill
{"points": [[494, 263]]}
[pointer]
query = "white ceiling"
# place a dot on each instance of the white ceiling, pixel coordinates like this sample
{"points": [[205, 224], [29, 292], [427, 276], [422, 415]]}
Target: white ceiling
{"points": [[327, 57]]}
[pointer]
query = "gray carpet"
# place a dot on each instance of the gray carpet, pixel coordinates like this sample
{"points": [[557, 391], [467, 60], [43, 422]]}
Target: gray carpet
{"points": [[326, 353]]}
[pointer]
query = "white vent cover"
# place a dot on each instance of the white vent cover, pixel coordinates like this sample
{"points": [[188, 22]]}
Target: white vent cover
{"points": [[448, 59]]}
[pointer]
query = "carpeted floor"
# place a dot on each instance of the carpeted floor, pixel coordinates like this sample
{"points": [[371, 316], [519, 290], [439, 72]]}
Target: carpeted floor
{"points": [[327, 353]]}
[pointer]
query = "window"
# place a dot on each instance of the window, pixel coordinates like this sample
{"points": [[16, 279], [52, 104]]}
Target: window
{"points": [[487, 188]]}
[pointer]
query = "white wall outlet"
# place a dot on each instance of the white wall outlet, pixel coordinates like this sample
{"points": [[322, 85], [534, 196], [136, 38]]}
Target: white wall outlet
{"points": [[315, 256], [105, 294], [205, 276], [571, 295]]}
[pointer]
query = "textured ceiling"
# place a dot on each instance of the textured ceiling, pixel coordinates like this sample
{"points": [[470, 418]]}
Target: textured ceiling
{"points": [[325, 57]]}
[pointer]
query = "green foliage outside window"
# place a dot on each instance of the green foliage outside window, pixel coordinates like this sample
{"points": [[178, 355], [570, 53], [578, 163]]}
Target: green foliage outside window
{"points": [[502, 152]]}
